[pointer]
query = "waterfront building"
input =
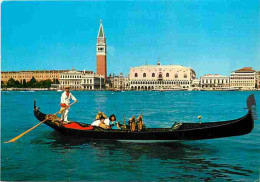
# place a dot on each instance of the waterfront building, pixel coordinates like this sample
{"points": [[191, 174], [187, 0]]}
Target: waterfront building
{"points": [[39, 75], [153, 77], [71, 78], [119, 82], [101, 49], [214, 81], [258, 79], [195, 83], [244, 78], [81, 80]]}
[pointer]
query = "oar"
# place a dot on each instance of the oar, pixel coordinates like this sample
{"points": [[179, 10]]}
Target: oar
{"points": [[19, 136]]}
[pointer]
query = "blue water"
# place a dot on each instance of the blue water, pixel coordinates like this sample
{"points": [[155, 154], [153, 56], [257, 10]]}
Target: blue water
{"points": [[45, 155]]}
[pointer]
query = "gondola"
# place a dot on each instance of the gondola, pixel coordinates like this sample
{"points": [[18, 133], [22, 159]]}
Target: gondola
{"points": [[178, 132]]}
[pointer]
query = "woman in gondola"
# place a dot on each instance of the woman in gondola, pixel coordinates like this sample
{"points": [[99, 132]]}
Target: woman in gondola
{"points": [[113, 123]]}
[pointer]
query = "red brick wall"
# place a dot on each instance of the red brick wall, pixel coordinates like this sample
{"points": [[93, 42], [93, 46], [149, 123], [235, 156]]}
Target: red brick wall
{"points": [[102, 65]]}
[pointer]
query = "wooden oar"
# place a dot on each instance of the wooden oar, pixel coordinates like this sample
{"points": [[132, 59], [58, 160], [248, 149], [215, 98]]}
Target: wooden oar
{"points": [[19, 136]]}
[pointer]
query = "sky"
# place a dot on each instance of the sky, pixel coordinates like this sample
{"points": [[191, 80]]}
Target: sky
{"points": [[211, 36]]}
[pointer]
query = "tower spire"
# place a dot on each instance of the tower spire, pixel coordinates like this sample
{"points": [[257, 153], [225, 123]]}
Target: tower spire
{"points": [[101, 33]]}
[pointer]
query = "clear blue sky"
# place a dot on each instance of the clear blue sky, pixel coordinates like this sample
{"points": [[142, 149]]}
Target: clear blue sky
{"points": [[211, 36]]}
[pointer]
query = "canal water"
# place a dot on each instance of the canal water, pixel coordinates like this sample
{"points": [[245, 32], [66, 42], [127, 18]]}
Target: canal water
{"points": [[45, 155]]}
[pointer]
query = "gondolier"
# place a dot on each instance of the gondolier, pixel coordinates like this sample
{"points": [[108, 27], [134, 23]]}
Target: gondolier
{"points": [[64, 103]]}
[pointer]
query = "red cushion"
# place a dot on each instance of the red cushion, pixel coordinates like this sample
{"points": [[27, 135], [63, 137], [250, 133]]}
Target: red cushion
{"points": [[74, 125]]}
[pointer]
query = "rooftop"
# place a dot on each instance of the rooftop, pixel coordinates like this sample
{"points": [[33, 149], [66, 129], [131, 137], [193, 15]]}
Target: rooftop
{"points": [[160, 66], [214, 75], [26, 71], [245, 69], [77, 71]]}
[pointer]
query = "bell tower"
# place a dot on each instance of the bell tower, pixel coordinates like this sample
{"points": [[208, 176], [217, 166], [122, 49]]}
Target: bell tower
{"points": [[101, 52]]}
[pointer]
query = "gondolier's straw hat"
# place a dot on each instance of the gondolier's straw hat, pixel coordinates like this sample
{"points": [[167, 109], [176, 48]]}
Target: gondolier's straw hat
{"points": [[67, 87]]}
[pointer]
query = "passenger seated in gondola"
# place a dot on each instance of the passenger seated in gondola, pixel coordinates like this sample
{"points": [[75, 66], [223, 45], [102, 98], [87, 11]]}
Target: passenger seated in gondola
{"points": [[101, 119], [106, 123], [132, 123], [101, 122], [113, 123], [140, 123]]}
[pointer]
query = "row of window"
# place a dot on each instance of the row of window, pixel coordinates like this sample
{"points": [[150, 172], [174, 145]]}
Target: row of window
{"points": [[238, 78], [70, 76], [73, 87], [152, 87], [241, 81], [214, 81], [160, 75], [87, 80], [89, 87], [212, 86], [70, 83], [37, 76], [79, 87], [242, 84], [160, 82]]}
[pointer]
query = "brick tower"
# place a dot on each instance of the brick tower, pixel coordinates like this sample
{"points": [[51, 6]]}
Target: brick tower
{"points": [[101, 52]]}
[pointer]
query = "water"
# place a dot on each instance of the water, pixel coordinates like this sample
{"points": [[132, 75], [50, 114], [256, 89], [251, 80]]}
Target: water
{"points": [[45, 155]]}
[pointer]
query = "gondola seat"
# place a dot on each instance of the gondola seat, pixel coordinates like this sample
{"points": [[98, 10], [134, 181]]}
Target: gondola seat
{"points": [[74, 125]]}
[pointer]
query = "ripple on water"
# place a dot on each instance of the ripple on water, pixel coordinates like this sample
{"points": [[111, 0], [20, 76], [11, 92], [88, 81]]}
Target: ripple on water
{"points": [[46, 155]]}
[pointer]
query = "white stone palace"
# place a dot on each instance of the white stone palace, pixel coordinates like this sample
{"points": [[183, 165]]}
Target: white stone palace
{"points": [[214, 80], [160, 77], [81, 80]]}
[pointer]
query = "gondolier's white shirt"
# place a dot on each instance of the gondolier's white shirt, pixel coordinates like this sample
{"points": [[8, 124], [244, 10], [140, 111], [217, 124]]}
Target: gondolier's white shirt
{"points": [[65, 99]]}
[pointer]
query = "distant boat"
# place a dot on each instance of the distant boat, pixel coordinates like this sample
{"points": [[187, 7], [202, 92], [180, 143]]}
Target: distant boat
{"points": [[59, 90], [178, 132]]}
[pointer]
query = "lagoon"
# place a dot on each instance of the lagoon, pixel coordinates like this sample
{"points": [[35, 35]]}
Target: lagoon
{"points": [[45, 155]]}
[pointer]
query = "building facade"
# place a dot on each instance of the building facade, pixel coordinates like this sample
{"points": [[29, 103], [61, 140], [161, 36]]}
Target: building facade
{"points": [[158, 77], [101, 52], [81, 80], [244, 78], [214, 81], [195, 83], [119, 82], [258, 79], [27, 75]]}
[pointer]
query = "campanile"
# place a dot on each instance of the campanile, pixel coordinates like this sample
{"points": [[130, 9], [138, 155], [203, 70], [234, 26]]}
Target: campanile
{"points": [[101, 52]]}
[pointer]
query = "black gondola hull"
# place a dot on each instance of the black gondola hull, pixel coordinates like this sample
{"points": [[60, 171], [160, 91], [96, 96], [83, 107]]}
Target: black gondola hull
{"points": [[187, 131]]}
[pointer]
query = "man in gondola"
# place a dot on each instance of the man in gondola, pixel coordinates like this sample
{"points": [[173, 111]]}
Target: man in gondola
{"points": [[64, 103]]}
